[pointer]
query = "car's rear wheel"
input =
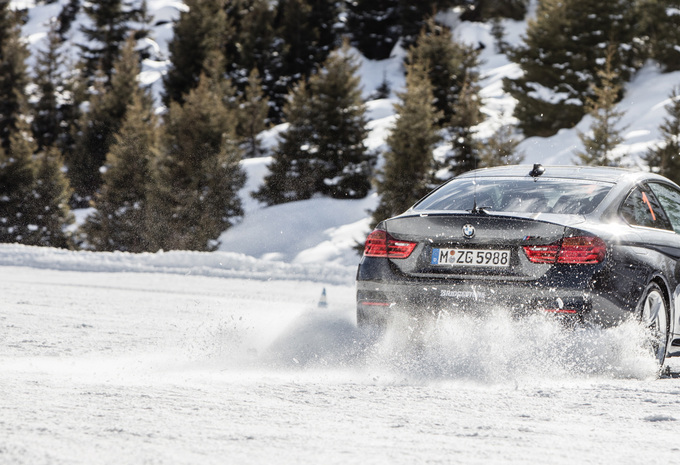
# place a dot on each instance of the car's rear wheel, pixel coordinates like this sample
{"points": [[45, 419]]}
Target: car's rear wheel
{"points": [[654, 316]]}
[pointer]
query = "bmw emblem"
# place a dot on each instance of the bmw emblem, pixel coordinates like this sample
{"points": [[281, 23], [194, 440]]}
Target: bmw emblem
{"points": [[468, 231]]}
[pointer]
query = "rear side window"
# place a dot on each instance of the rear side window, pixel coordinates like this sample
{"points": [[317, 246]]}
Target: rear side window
{"points": [[519, 195], [641, 208], [669, 198]]}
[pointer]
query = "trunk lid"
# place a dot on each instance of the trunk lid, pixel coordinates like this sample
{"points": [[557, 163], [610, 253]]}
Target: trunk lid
{"points": [[465, 246]]}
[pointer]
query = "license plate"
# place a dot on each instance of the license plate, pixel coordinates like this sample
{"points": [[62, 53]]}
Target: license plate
{"points": [[471, 257]]}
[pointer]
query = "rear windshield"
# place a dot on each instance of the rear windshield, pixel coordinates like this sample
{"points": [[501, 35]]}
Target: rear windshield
{"points": [[519, 195]]}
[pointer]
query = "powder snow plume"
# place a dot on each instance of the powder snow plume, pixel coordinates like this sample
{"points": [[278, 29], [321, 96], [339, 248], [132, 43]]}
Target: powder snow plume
{"points": [[495, 348]]}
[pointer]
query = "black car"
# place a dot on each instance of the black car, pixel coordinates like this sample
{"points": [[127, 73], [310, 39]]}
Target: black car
{"points": [[597, 245]]}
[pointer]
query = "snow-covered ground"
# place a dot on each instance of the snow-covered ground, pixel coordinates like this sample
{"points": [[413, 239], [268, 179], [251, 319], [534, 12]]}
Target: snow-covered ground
{"points": [[164, 359]]}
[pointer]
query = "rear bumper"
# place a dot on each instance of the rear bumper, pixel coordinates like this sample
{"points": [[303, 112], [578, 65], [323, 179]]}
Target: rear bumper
{"points": [[579, 296]]}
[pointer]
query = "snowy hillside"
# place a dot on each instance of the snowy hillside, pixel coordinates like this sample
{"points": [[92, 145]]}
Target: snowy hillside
{"points": [[343, 223]]}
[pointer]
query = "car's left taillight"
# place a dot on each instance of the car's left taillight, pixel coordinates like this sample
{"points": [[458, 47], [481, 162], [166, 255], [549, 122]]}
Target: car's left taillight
{"points": [[380, 244], [576, 250]]}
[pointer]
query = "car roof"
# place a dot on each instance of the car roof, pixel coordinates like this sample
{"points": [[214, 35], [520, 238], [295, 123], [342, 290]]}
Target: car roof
{"points": [[589, 173]]}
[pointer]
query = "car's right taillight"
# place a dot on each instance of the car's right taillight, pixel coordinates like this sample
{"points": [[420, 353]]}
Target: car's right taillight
{"points": [[380, 244], [582, 250], [575, 250]]}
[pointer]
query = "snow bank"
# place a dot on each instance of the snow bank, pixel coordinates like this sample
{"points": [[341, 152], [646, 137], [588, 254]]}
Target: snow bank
{"points": [[215, 264], [320, 230]]}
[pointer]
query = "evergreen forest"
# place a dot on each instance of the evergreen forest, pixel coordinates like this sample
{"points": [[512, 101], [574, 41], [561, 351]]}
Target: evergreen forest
{"points": [[79, 129]]}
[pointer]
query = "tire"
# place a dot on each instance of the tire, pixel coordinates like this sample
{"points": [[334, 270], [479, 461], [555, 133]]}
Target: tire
{"points": [[653, 311]]}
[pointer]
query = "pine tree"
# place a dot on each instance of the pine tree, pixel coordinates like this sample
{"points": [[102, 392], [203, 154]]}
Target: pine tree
{"points": [[563, 49], [465, 148], [383, 91], [325, 16], [603, 136], [52, 193], [284, 40], [197, 176], [252, 45], [664, 158], [204, 27], [374, 25], [660, 25], [292, 174], [25, 185], [512, 9], [67, 16], [409, 165], [305, 26], [22, 146], [120, 221], [141, 28], [482, 10], [34, 193], [13, 76], [323, 149], [46, 124], [110, 27], [345, 168], [17, 178], [253, 22], [296, 34], [102, 121], [8, 22], [54, 108], [501, 148], [450, 63], [252, 120], [498, 32], [413, 16]]}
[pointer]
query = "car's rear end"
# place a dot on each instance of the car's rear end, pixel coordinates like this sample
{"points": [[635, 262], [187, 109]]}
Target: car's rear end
{"points": [[474, 246]]}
